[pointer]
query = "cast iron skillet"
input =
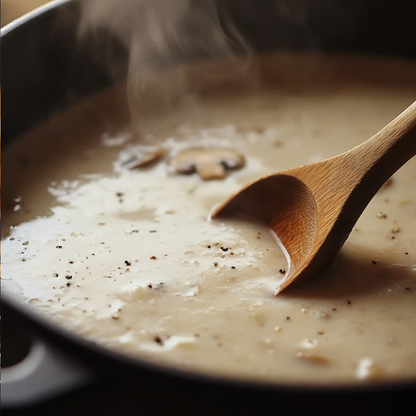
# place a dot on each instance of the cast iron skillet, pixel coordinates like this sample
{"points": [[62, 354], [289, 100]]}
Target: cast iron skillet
{"points": [[45, 69]]}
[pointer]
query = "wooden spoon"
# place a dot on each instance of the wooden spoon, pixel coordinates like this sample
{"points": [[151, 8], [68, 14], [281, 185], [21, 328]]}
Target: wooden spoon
{"points": [[313, 208]]}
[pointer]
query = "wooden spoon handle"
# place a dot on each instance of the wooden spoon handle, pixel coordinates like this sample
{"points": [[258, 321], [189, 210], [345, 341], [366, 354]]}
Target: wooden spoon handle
{"points": [[392, 146]]}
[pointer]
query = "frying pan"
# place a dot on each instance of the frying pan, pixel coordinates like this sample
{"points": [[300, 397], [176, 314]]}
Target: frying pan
{"points": [[46, 69]]}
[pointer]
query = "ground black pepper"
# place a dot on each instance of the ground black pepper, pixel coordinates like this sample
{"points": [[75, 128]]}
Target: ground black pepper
{"points": [[158, 340]]}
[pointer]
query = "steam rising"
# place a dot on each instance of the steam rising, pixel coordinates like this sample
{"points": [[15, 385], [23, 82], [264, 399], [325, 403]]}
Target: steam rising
{"points": [[162, 34]]}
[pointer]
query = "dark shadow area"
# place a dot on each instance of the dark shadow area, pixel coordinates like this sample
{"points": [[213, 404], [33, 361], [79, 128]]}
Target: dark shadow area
{"points": [[353, 272], [16, 341], [123, 396]]}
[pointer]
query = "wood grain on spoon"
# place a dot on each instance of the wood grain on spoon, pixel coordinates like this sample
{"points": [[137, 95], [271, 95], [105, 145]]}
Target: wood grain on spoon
{"points": [[313, 208]]}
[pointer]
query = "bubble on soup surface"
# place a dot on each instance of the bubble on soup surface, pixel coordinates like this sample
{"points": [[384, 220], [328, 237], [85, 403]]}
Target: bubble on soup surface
{"points": [[367, 370]]}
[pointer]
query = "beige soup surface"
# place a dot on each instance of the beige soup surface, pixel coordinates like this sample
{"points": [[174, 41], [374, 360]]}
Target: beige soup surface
{"points": [[105, 234]]}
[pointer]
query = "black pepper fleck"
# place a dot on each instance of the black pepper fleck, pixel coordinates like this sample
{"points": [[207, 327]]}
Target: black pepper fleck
{"points": [[233, 267], [68, 277], [282, 271], [224, 248], [58, 246], [215, 264], [153, 257], [127, 263], [158, 340]]}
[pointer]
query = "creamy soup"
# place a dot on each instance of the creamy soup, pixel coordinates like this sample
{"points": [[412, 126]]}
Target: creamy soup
{"points": [[104, 233]]}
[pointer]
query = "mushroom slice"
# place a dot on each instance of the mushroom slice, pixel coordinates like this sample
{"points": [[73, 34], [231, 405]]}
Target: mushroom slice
{"points": [[210, 163], [145, 160]]}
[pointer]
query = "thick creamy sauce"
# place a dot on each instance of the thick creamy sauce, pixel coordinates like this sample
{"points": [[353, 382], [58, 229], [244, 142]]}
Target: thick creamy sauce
{"points": [[127, 258]]}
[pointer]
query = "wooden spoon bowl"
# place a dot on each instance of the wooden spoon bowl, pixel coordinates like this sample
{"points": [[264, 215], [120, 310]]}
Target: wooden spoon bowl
{"points": [[313, 208]]}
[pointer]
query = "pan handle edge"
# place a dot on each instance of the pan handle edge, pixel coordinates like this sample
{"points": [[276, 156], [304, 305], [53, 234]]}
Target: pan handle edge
{"points": [[45, 373]]}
